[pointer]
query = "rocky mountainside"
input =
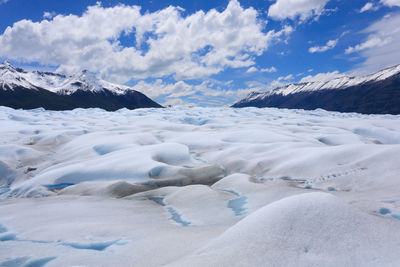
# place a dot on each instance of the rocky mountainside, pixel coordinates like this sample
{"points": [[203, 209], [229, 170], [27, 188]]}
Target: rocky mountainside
{"points": [[54, 91], [378, 93]]}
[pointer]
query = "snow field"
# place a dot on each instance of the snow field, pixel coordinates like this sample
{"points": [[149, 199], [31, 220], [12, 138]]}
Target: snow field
{"points": [[198, 187]]}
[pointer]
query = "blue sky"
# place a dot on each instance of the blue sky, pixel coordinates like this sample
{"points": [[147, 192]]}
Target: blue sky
{"points": [[202, 52]]}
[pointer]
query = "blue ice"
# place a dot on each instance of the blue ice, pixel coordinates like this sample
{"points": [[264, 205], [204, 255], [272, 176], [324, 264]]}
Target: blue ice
{"points": [[93, 246], [237, 205], [175, 216]]}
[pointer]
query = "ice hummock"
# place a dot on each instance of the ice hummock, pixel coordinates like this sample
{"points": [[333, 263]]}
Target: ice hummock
{"points": [[198, 187]]}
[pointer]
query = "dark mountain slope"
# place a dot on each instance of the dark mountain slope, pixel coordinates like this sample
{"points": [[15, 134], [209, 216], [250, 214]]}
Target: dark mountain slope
{"points": [[28, 90], [376, 96]]}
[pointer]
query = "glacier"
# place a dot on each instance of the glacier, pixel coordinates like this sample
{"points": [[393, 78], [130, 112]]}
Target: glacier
{"points": [[199, 187]]}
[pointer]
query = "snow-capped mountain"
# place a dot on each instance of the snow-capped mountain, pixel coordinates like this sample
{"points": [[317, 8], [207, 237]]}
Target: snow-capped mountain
{"points": [[374, 93], [32, 89], [89, 82], [11, 77]]}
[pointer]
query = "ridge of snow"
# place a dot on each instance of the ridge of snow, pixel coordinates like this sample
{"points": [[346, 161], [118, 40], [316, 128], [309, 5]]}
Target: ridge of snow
{"points": [[57, 83], [89, 82], [11, 77], [337, 83]]}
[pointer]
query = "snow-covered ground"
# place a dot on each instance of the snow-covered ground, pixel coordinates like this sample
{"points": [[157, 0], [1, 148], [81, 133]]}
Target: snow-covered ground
{"points": [[199, 187]]}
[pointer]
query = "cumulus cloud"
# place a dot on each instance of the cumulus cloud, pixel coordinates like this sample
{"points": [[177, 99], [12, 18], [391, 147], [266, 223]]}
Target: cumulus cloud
{"points": [[161, 43], [159, 88], [329, 45], [293, 9], [177, 102], [381, 47], [185, 93], [321, 77]]}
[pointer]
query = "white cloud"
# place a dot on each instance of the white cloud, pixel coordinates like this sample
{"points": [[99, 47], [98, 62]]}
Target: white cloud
{"points": [[329, 45], [159, 88], [276, 84], [256, 86], [162, 43], [321, 77], [3, 1], [252, 69], [369, 6], [390, 3], [370, 43], [292, 9], [344, 33], [177, 102], [209, 88], [381, 48], [286, 78], [269, 70], [49, 15], [181, 92], [281, 35], [366, 7]]}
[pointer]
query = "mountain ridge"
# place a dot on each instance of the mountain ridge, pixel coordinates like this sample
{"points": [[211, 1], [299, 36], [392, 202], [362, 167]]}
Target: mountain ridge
{"points": [[54, 91], [377, 93]]}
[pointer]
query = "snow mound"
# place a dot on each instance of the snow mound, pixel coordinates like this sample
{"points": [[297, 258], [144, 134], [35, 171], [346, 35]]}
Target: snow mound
{"points": [[201, 205], [105, 189], [7, 175], [149, 166], [314, 229], [251, 194]]}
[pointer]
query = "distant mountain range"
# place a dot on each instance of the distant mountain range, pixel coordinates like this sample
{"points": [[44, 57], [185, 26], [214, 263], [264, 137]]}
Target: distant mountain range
{"points": [[54, 91], [378, 93]]}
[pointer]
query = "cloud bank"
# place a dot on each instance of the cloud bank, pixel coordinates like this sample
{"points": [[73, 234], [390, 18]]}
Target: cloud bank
{"points": [[121, 42]]}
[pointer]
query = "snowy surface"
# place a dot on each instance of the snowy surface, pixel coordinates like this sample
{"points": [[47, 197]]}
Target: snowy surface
{"points": [[199, 187], [341, 82]]}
